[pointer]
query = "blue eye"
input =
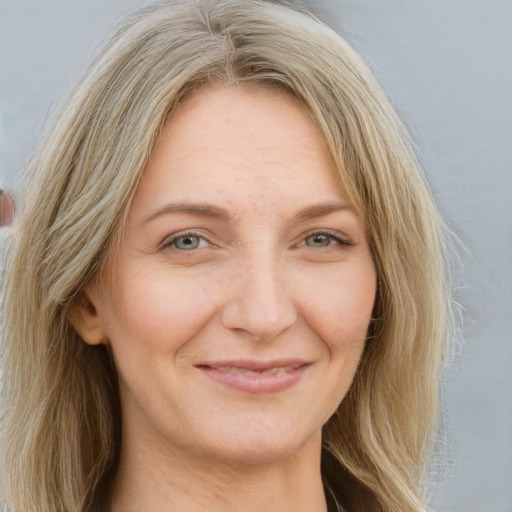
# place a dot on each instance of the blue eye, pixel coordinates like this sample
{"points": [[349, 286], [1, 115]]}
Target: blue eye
{"points": [[321, 240], [188, 242]]}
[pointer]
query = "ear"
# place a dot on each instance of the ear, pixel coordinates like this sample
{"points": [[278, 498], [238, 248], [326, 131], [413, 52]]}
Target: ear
{"points": [[85, 318]]}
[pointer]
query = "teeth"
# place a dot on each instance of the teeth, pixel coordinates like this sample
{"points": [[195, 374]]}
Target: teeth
{"points": [[270, 371]]}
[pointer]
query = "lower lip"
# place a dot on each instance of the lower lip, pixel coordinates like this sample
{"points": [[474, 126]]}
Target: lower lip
{"points": [[257, 382]]}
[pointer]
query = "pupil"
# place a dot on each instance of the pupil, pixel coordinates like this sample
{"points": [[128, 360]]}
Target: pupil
{"points": [[187, 242], [319, 240]]}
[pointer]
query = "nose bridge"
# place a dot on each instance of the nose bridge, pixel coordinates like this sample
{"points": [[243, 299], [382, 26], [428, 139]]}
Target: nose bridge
{"points": [[261, 303]]}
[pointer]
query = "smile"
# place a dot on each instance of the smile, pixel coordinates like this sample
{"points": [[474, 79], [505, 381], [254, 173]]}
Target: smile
{"points": [[256, 377], [270, 371]]}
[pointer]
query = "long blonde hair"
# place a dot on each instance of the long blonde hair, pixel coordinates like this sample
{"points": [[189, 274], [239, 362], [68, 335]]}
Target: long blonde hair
{"points": [[60, 429]]}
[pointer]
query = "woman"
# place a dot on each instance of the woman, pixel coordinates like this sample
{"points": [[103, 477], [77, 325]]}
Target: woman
{"points": [[229, 292]]}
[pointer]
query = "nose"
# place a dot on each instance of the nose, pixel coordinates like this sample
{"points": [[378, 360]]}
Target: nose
{"points": [[260, 304]]}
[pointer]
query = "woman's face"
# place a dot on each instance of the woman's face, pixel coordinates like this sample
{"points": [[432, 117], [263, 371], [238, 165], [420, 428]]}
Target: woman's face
{"points": [[237, 303]]}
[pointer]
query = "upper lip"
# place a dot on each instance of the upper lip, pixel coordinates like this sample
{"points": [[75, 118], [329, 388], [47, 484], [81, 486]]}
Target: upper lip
{"points": [[255, 365]]}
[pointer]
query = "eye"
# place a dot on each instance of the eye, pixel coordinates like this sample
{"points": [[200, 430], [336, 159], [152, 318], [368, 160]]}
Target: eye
{"points": [[185, 242], [324, 239]]}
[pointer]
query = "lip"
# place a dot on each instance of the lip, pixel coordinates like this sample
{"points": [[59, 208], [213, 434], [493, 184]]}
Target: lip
{"points": [[256, 376]]}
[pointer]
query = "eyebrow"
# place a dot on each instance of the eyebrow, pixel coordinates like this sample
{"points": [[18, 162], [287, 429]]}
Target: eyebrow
{"points": [[217, 212], [321, 209], [201, 209]]}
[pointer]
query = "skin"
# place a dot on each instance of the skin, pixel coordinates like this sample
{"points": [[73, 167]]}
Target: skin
{"points": [[274, 264]]}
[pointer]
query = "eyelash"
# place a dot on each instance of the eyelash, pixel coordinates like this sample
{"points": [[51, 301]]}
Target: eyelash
{"points": [[333, 236], [169, 241]]}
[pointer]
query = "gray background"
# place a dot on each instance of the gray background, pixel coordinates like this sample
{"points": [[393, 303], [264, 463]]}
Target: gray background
{"points": [[447, 66]]}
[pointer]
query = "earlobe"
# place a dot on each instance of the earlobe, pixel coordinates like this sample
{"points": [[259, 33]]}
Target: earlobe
{"points": [[85, 319]]}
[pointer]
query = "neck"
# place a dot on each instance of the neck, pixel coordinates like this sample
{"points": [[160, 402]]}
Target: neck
{"points": [[170, 481]]}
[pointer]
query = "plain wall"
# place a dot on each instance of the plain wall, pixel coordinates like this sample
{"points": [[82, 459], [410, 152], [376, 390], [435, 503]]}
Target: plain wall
{"points": [[447, 66]]}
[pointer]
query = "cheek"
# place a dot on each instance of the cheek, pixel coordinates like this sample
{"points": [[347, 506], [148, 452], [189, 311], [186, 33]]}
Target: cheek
{"points": [[156, 312], [339, 306]]}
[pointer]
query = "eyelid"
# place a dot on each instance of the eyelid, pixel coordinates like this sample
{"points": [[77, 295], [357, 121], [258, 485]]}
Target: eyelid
{"points": [[170, 239], [340, 237]]}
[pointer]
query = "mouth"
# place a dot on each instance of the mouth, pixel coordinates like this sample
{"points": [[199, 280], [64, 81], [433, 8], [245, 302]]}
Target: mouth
{"points": [[270, 371], [256, 376]]}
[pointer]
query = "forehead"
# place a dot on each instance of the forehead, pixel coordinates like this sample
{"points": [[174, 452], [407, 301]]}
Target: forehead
{"points": [[244, 147]]}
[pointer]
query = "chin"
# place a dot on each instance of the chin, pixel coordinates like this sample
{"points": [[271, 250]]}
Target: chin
{"points": [[263, 446]]}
